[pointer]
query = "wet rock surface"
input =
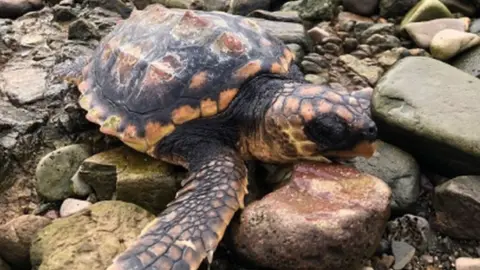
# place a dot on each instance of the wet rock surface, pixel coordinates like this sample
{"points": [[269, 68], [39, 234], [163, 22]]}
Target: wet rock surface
{"points": [[335, 42], [325, 205]]}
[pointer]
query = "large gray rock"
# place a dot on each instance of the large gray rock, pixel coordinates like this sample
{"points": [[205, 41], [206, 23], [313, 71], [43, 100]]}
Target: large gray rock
{"points": [[398, 169], [469, 62], [457, 204], [430, 108]]}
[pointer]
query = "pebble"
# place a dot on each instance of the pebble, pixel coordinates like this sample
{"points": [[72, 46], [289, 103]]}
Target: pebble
{"points": [[362, 67], [403, 254], [71, 206], [449, 43], [467, 263], [82, 29]]}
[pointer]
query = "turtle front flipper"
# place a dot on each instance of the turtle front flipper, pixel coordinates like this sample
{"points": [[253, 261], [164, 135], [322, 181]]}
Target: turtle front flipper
{"points": [[194, 223]]}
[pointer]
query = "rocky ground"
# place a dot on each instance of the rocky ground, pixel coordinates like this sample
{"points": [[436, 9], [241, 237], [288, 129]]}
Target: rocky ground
{"points": [[72, 198]]}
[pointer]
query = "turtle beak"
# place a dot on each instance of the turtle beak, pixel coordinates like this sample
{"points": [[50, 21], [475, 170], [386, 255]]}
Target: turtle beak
{"points": [[362, 149]]}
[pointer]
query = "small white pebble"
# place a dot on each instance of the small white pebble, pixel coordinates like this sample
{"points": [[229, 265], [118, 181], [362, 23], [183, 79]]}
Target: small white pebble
{"points": [[464, 263], [72, 206]]}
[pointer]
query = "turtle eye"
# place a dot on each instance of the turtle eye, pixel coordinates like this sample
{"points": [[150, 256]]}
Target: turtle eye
{"points": [[327, 130]]}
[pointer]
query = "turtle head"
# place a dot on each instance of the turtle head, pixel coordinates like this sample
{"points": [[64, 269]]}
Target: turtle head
{"points": [[315, 122]]}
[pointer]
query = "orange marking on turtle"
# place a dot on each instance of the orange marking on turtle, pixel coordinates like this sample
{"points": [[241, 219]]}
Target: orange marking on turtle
{"points": [[324, 106], [344, 113], [130, 138], [185, 113], [230, 43], [154, 132], [311, 91], [83, 87], [306, 110], [249, 69], [284, 63], [199, 80], [291, 105], [289, 56], [226, 96], [208, 107], [277, 68], [161, 71]]}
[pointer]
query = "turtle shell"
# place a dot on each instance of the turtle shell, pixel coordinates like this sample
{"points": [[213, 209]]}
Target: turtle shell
{"points": [[162, 68]]}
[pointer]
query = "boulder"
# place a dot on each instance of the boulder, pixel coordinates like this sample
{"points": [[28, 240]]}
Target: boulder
{"points": [[132, 177], [457, 204], [89, 239], [430, 109], [326, 217], [16, 237]]}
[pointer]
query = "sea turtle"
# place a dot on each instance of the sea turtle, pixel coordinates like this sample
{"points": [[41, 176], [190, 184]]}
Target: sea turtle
{"points": [[207, 91]]}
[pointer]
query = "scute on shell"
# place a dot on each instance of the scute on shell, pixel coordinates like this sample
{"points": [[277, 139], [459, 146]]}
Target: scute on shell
{"points": [[162, 68]]}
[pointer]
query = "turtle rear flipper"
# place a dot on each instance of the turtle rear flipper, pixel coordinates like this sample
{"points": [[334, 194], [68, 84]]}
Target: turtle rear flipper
{"points": [[71, 70], [192, 226]]}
